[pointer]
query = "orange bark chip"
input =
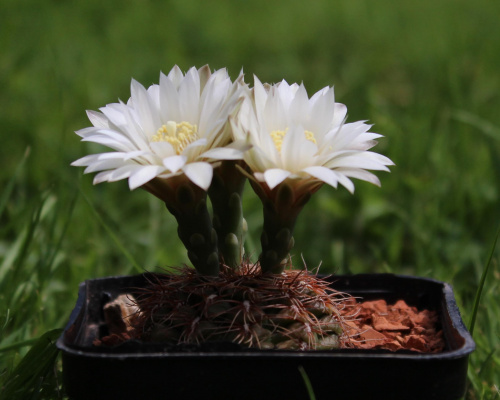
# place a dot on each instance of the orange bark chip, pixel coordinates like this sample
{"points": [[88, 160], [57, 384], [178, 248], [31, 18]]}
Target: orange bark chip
{"points": [[395, 327]]}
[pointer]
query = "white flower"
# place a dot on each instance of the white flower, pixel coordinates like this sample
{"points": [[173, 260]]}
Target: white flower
{"points": [[177, 127], [295, 138]]}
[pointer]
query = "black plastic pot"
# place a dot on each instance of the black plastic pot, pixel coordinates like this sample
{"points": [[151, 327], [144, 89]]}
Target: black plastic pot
{"points": [[224, 371]]}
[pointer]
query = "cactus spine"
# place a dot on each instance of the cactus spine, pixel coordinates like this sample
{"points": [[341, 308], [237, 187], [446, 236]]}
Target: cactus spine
{"points": [[292, 310]]}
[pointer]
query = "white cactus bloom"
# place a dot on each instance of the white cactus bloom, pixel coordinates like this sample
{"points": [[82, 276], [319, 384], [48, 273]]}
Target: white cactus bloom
{"points": [[297, 138], [179, 126]]}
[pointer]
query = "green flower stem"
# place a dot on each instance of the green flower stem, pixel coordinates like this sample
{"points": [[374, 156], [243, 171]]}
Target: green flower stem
{"points": [[188, 204], [282, 206], [225, 194]]}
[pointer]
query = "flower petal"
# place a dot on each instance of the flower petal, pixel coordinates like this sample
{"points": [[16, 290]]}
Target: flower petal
{"points": [[98, 119], [339, 114], [297, 152], [176, 76], [174, 163], [148, 117], [346, 182], [101, 177], [123, 172], [275, 176], [85, 161], [144, 175], [189, 96], [223, 153], [169, 100], [274, 113], [299, 107], [103, 165], [360, 174], [204, 73], [116, 141], [323, 174], [162, 149], [364, 160], [200, 173]]}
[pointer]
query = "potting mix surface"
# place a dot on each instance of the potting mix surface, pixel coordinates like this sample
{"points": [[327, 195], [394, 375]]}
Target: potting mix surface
{"points": [[377, 325], [370, 325]]}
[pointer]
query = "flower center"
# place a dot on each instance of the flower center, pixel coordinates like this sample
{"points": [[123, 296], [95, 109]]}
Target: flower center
{"points": [[178, 135], [278, 137]]}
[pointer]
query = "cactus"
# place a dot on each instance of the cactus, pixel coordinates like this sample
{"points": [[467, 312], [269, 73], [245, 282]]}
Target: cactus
{"points": [[225, 193], [292, 310], [199, 134], [282, 206], [188, 204]]}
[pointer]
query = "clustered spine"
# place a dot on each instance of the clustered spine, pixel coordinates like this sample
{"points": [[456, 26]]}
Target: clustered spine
{"points": [[292, 310]]}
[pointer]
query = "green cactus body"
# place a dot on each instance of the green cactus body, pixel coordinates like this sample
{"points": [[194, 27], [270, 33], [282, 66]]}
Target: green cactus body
{"points": [[282, 206], [225, 193], [188, 204]]}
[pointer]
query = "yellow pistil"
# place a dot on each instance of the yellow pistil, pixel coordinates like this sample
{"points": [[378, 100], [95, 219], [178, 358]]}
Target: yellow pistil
{"points": [[278, 137], [178, 135]]}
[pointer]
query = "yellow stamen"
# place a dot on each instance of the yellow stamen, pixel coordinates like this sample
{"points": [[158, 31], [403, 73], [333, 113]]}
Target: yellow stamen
{"points": [[310, 136], [178, 135], [278, 137]]}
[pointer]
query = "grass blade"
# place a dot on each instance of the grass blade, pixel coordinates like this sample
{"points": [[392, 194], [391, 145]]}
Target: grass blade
{"points": [[35, 376], [479, 291], [18, 345], [10, 185], [307, 382], [112, 235]]}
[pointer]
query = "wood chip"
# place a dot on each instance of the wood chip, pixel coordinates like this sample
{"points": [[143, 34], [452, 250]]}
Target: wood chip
{"points": [[377, 325]]}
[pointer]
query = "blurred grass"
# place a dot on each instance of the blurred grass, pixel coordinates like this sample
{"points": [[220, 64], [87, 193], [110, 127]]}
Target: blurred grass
{"points": [[426, 73]]}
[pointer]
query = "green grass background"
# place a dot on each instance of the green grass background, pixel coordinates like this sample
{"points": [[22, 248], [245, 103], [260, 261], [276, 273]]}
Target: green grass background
{"points": [[425, 73]]}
